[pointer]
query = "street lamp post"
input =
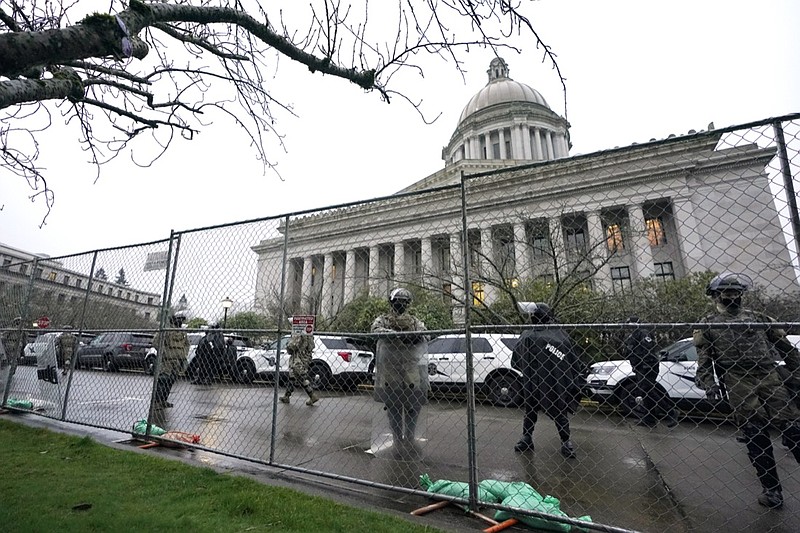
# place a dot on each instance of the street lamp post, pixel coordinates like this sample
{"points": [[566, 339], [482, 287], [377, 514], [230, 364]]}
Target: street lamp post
{"points": [[226, 304]]}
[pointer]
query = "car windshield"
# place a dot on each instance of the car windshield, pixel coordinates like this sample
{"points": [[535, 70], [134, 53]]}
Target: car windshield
{"points": [[681, 351]]}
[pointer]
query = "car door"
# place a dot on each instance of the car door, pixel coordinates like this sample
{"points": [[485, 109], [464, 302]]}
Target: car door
{"points": [[677, 372], [441, 352]]}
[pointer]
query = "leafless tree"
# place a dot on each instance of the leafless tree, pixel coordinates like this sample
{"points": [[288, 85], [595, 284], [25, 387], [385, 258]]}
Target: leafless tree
{"points": [[146, 69]]}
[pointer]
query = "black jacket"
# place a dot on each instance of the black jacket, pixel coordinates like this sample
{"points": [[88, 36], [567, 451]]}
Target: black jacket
{"points": [[551, 370], [640, 349]]}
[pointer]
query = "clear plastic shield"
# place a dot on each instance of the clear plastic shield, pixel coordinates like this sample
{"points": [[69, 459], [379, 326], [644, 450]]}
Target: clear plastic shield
{"points": [[5, 368], [50, 393]]}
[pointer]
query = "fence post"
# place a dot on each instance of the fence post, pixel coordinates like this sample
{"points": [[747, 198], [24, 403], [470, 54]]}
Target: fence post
{"points": [[788, 183], [281, 307], [468, 296], [81, 325]]}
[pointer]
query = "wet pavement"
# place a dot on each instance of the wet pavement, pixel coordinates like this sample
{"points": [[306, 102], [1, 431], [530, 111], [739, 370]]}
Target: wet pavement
{"points": [[694, 477]]}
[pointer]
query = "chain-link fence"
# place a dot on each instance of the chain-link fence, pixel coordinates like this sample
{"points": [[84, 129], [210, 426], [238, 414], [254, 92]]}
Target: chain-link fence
{"points": [[658, 389]]}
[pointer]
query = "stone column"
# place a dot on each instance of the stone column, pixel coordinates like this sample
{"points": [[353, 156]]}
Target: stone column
{"points": [[457, 266], [426, 259], [374, 270], [525, 138], [598, 251], [399, 262], [501, 137], [349, 276], [689, 239], [523, 258], [537, 145], [306, 289], [548, 144], [327, 285], [642, 255]]}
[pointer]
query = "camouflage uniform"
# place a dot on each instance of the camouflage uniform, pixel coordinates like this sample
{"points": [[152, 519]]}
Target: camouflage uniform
{"points": [[745, 363], [300, 348], [67, 346], [14, 346], [175, 349]]}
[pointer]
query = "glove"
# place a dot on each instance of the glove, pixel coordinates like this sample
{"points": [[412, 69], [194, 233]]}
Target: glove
{"points": [[713, 393]]}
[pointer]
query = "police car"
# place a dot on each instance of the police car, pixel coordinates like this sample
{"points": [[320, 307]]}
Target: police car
{"points": [[615, 381]]}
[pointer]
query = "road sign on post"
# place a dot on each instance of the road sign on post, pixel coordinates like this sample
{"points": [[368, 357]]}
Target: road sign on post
{"points": [[43, 322], [303, 324]]}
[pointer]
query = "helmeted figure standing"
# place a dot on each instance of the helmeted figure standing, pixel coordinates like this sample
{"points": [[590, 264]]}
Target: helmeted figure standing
{"points": [[300, 348], [743, 358], [640, 351], [209, 354], [13, 344], [175, 347], [551, 374], [401, 366], [67, 346]]}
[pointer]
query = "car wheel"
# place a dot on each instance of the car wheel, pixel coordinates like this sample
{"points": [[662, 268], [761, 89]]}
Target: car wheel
{"points": [[504, 390], [245, 371], [108, 363], [320, 376], [149, 365], [625, 396]]}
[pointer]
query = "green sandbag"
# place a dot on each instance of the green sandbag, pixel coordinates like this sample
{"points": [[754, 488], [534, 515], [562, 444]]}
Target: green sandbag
{"points": [[505, 489], [140, 428], [532, 500], [19, 404], [455, 489]]}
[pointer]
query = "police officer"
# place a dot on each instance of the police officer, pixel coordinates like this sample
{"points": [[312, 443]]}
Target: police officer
{"points": [[551, 373], [13, 344], [67, 346], [401, 367], [745, 366], [175, 346], [300, 348], [209, 355], [640, 350]]}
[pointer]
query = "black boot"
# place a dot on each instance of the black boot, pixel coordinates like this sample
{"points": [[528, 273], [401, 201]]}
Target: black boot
{"points": [[771, 498], [524, 444], [568, 449], [759, 450]]}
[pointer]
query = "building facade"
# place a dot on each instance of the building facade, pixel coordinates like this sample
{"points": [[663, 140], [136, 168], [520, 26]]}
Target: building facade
{"points": [[658, 210]]}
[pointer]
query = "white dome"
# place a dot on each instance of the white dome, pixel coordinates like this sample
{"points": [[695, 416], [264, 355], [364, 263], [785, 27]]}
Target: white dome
{"points": [[501, 91]]}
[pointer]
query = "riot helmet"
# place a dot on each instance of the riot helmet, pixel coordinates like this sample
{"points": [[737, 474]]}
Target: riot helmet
{"points": [[400, 299], [727, 289], [537, 312], [177, 318]]}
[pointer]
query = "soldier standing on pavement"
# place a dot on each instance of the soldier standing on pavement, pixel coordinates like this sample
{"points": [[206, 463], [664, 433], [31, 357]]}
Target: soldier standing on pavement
{"points": [[12, 342], [743, 355], [401, 367], [300, 348], [67, 346], [175, 346]]}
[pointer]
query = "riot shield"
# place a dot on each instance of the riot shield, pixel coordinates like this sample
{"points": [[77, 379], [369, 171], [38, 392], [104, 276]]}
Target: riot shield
{"points": [[4, 373]]}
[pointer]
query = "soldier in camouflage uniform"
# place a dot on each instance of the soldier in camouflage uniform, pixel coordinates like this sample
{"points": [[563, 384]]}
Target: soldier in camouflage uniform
{"points": [[175, 347], [67, 346], [401, 367], [300, 348], [13, 344], [744, 361]]}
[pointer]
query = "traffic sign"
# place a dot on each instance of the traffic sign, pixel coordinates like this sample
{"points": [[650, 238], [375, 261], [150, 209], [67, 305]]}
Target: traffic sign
{"points": [[43, 322]]}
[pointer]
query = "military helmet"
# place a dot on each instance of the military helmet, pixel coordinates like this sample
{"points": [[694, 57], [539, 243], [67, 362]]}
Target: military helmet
{"points": [[400, 294], [537, 311], [728, 281]]}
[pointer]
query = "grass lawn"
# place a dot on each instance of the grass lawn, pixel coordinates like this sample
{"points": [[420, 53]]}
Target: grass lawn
{"points": [[55, 482]]}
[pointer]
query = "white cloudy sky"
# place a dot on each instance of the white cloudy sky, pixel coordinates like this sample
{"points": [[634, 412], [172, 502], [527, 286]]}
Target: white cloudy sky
{"points": [[635, 71]]}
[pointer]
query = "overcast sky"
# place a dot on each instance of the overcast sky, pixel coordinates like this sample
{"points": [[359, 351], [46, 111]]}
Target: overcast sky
{"points": [[635, 71]]}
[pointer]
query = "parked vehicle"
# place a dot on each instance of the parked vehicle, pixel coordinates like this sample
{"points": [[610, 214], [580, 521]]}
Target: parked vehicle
{"points": [[152, 353], [493, 375], [335, 361], [614, 381], [114, 350], [30, 351]]}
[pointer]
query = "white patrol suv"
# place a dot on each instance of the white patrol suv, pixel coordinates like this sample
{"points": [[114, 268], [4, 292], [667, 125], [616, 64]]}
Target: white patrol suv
{"points": [[335, 361], [447, 365]]}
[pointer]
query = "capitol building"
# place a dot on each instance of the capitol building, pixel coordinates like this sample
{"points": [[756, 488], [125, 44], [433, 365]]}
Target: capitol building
{"points": [[658, 210]]}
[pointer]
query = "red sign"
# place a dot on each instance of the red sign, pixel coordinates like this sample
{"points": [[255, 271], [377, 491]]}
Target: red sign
{"points": [[43, 322], [303, 324]]}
